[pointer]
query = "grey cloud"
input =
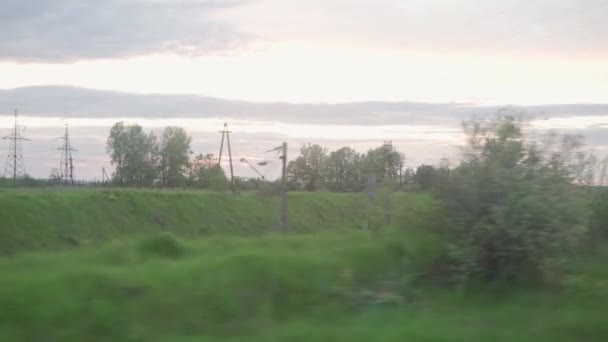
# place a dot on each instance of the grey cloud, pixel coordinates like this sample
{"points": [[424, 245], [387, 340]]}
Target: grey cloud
{"points": [[78, 102], [67, 30], [563, 27], [71, 102]]}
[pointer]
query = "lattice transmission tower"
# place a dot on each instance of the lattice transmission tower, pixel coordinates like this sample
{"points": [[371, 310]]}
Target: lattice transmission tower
{"points": [[66, 167], [15, 167]]}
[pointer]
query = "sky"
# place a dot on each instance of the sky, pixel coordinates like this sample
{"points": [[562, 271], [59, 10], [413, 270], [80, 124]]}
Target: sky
{"points": [[339, 72]]}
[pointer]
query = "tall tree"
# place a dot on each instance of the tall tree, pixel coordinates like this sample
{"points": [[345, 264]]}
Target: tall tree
{"points": [[342, 170], [116, 147], [174, 156], [132, 151], [425, 176], [383, 162], [306, 171]]}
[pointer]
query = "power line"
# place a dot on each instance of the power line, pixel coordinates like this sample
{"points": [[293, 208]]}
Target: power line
{"points": [[470, 23], [75, 161], [15, 167], [54, 149]]}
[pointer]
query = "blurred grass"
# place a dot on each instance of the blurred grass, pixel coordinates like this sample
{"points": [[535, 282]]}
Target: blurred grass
{"points": [[195, 266], [353, 286]]}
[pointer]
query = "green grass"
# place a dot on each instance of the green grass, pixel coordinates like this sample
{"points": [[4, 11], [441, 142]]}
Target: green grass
{"points": [[125, 265], [35, 219], [356, 286]]}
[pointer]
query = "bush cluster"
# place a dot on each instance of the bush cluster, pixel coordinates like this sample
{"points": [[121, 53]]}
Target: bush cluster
{"points": [[513, 204]]}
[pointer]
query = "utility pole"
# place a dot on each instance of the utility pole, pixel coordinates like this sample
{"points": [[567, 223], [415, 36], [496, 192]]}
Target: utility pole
{"points": [[388, 149], [283, 214], [104, 176], [67, 162], [226, 135], [282, 150], [15, 167], [388, 146], [371, 191]]}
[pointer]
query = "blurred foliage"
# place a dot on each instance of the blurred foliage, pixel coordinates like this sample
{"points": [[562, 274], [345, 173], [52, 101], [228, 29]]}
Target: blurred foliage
{"points": [[512, 204], [161, 245], [600, 213], [347, 286]]}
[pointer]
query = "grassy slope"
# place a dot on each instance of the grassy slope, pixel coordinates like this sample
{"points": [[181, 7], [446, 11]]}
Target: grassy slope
{"points": [[33, 219], [325, 287]]}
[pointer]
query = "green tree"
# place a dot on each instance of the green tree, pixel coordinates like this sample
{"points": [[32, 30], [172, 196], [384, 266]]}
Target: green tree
{"points": [[384, 162], [132, 151], [173, 156], [307, 170], [343, 170], [512, 203], [430, 177], [205, 173], [424, 176]]}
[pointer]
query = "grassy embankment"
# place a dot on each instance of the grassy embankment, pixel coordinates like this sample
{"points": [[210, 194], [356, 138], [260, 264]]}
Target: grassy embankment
{"points": [[35, 219], [125, 279]]}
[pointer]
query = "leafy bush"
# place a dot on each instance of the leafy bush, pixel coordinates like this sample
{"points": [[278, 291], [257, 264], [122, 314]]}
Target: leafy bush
{"points": [[512, 204], [161, 245], [600, 212]]}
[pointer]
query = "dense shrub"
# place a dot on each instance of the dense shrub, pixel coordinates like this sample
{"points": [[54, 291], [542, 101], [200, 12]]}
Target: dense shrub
{"points": [[161, 245], [600, 213], [512, 204]]}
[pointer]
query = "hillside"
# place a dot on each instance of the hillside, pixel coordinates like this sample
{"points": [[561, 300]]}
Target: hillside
{"points": [[34, 219]]}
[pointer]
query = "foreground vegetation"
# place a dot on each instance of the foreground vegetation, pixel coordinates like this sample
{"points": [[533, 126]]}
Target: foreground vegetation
{"points": [[327, 287], [125, 275], [509, 245]]}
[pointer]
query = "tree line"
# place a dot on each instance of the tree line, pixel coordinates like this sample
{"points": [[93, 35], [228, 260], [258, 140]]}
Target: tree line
{"points": [[343, 170], [163, 158]]}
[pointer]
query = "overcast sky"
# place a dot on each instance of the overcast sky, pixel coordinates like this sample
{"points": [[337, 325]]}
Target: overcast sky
{"points": [[350, 55]]}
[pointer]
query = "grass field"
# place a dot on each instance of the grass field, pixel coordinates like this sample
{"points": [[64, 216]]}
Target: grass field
{"points": [[197, 275], [56, 219]]}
